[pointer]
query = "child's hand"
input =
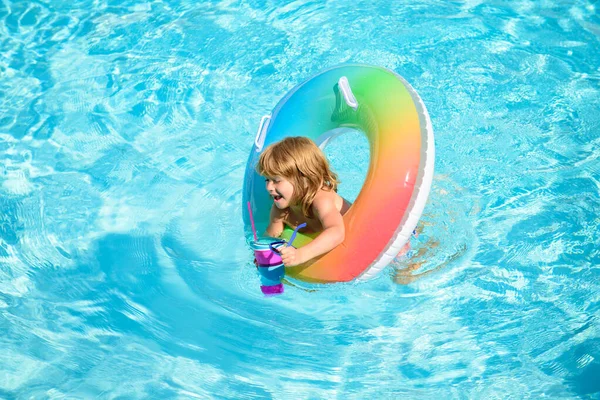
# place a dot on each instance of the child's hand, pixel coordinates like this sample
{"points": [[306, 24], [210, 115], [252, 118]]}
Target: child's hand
{"points": [[290, 256]]}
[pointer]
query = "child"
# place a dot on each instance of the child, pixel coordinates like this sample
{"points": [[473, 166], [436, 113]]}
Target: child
{"points": [[303, 189]]}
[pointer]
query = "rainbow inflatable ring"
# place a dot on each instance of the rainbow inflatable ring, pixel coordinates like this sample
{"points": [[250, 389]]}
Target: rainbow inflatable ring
{"points": [[394, 119]]}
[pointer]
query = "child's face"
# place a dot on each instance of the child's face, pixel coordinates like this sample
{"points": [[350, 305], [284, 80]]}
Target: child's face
{"points": [[281, 191]]}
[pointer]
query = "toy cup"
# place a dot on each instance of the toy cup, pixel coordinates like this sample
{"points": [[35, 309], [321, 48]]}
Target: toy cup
{"points": [[270, 266]]}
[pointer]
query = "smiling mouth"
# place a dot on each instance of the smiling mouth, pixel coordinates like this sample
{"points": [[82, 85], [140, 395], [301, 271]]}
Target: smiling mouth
{"points": [[277, 197]]}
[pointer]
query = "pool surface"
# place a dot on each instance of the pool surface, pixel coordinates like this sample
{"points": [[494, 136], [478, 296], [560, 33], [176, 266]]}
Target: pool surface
{"points": [[125, 129]]}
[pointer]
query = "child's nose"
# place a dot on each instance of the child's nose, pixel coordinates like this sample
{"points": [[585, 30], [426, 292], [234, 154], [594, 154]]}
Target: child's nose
{"points": [[269, 185]]}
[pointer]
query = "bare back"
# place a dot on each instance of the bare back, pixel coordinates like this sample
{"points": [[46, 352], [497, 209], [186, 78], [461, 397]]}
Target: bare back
{"points": [[293, 216]]}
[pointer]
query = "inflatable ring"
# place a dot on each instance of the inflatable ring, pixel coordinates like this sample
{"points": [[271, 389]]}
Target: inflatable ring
{"points": [[383, 106]]}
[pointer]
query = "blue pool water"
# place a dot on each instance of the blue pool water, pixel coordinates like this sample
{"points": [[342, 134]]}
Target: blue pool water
{"points": [[124, 132]]}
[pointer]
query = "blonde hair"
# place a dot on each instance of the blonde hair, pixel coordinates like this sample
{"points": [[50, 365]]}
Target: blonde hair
{"points": [[300, 161]]}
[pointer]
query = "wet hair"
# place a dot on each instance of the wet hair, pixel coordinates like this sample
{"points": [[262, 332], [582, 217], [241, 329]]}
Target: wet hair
{"points": [[300, 161]]}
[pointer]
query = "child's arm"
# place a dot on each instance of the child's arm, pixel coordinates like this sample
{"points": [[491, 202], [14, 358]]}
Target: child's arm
{"points": [[275, 228], [333, 234]]}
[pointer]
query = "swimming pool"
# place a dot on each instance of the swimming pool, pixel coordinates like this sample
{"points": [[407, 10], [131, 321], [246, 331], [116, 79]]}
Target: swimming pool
{"points": [[124, 133]]}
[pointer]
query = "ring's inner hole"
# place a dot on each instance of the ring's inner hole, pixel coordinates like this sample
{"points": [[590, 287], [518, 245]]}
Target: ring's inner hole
{"points": [[348, 153]]}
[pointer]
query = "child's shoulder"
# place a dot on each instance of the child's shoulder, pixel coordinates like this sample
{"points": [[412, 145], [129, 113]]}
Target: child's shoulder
{"points": [[329, 200], [325, 198], [326, 194]]}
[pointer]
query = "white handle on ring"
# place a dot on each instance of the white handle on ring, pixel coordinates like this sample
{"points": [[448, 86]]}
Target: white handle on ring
{"points": [[259, 140], [344, 86]]}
